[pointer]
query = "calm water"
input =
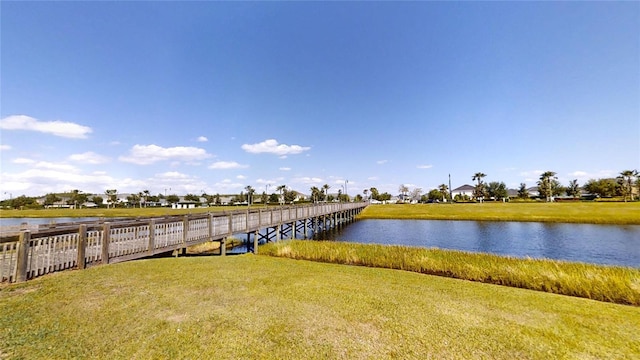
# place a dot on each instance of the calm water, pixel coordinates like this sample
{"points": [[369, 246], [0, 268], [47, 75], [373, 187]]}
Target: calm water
{"points": [[600, 244]]}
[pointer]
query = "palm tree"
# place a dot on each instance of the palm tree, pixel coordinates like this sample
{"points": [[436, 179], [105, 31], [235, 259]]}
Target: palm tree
{"points": [[373, 193], [523, 193], [545, 185], [444, 190], [112, 196], [479, 190], [250, 192], [315, 193], [573, 189], [140, 197], [147, 193], [281, 188], [326, 187], [627, 178]]}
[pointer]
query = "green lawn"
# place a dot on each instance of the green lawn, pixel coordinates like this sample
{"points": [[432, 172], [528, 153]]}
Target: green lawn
{"points": [[570, 212], [273, 308], [573, 212]]}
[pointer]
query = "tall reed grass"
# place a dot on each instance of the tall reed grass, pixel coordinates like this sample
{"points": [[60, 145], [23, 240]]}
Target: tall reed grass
{"points": [[604, 283]]}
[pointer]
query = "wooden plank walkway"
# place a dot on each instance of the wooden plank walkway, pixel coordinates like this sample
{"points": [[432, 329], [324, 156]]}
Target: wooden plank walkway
{"points": [[70, 246]]}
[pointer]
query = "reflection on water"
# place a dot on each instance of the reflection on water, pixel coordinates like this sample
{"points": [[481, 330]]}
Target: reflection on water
{"points": [[600, 244]]}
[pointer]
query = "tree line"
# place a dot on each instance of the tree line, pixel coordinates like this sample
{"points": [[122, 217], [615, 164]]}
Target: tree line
{"points": [[548, 187]]}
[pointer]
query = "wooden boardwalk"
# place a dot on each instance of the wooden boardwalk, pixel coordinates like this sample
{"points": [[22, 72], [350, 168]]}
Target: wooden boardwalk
{"points": [[70, 246]]}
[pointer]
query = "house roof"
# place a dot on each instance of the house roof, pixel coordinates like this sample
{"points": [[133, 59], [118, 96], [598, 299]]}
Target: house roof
{"points": [[465, 187]]}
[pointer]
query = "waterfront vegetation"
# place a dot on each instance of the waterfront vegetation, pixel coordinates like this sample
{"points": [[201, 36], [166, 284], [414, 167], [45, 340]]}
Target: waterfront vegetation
{"points": [[596, 282], [265, 307], [567, 212]]}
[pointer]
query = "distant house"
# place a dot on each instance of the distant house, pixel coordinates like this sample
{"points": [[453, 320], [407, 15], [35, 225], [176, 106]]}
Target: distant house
{"points": [[185, 204], [463, 190], [533, 192], [512, 193], [62, 204]]}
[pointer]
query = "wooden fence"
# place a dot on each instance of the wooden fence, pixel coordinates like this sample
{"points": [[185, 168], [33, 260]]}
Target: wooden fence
{"points": [[81, 245]]}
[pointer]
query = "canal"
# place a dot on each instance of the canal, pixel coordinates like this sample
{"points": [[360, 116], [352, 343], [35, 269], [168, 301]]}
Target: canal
{"points": [[598, 244]]}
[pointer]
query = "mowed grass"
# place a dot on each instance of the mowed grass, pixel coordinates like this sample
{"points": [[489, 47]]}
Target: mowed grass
{"points": [[604, 283], [568, 212], [263, 307]]}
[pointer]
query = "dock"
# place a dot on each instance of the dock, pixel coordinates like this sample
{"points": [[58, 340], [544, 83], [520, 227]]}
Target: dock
{"points": [[46, 249]]}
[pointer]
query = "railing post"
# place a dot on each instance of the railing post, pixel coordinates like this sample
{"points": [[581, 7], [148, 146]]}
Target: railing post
{"points": [[255, 242], [185, 234], [82, 246], [106, 238], [210, 227], [223, 242], [152, 236], [23, 256]]}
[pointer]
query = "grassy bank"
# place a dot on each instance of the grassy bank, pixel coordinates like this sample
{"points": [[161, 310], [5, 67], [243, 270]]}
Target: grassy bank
{"points": [[603, 283], [575, 212], [272, 308]]}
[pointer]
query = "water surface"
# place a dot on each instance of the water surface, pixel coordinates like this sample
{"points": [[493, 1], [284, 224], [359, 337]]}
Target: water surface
{"points": [[599, 244]]}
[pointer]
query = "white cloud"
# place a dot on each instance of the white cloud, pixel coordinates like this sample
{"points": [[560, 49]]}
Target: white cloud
{"points": [[45, 165], [89, 158], [241, 177], [57, 128], [202, 139], [172, 175], [308, 180], [55, 166], [5, 147], [228, 187], [227, 165], [42, 180], [424, 166], [23, 161], [285, 168], [380, 162], [584, 175], [149, 154], [271, 146]]}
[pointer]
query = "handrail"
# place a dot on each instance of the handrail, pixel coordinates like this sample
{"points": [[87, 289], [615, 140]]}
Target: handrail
{"points": [[78, 245]]}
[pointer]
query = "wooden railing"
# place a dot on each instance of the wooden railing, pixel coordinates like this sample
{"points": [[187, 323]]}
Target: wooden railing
{"points": [[80, 245]]}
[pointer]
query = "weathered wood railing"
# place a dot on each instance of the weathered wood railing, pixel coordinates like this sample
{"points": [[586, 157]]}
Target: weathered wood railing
{"points": [[80, 245]]}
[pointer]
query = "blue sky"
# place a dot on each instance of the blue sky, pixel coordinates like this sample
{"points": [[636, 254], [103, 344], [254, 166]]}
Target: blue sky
{"points": [[213, 96]]}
